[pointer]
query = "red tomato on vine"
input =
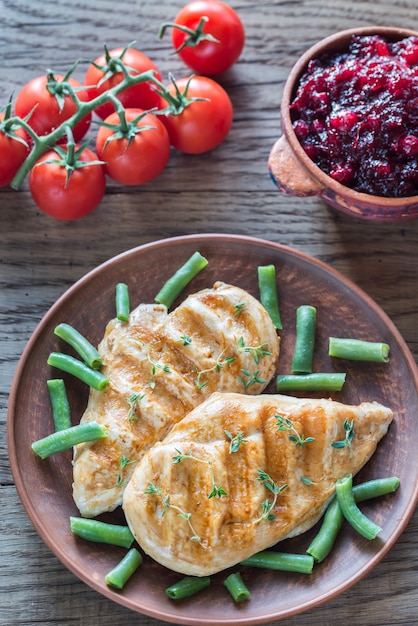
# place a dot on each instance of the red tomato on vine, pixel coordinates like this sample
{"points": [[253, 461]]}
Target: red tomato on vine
{"points": [[13, 150], [208, 36], [199, 116], [105, 72], [46, 102], [134, 145], [67, 182]]}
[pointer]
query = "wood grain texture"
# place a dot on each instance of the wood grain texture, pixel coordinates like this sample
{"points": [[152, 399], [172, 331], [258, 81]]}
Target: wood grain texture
{"points": [[226, 191]]}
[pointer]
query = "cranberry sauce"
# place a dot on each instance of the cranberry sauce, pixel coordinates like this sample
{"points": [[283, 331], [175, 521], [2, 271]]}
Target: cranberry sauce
{"points": [[356, 115]]}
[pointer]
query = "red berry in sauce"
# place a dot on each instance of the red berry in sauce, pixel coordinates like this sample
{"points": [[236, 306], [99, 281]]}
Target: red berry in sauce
{"points": [[355, 113]]}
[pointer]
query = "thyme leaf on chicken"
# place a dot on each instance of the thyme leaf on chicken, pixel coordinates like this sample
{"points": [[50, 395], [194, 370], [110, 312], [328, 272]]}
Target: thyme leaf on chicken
{"points": [[257, 351], [123, 462], [268, 505], [133, 401], [349, 436], [247, 379], [235, 441], [216, 491], [152, 489], [219, 364], [285, 424]]}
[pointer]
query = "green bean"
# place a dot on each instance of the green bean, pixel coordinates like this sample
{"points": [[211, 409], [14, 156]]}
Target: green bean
{"points": [[59, 403], [77, 368], [286, 562], [375, 488], [81, 345], [360, 522], [178, 281], [269, 298], [237, 588], [324, 540], [123, 305], [67, 438], [186, 587], [305, 340], [120, 574], [358, 350], [319, 381], [101, 532]]}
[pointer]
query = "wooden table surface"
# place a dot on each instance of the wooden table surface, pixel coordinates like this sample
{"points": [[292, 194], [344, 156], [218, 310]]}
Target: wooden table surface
{"points": [[226, 191]]}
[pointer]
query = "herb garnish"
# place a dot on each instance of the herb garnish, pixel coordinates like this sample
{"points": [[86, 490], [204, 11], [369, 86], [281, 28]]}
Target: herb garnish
{"points": [[349, 436], [258, 351], [133, 402], [123, 462], [253, 378], [218, 366], [239, 307], [267, 505], [152, 489], [216, 490], [236, 441], [285, 424]]}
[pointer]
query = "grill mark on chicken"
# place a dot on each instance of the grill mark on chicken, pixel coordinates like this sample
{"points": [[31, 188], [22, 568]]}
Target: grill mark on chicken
{"points": [[232, 527], [170, 376]]}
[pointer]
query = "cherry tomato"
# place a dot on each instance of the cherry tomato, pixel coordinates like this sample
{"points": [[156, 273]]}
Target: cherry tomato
{"points": [[47, 111], [13, 152], [201, 125], [62, 197], [140, 96], [136, 160], [223, 24]]}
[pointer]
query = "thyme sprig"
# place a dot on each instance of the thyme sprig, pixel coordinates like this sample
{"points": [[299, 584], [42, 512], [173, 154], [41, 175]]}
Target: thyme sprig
{"points": [[216, 491], [155, 365], [349, 436], [239, 307], [152, 489], [133, 401], [235, 441], [285, 424], [219, 364], [268, 505], [123, 462], [249, 378], [257, 351]]}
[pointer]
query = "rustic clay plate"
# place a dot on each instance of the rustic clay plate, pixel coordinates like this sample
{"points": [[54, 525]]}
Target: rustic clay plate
{"points": [[342, 310]]}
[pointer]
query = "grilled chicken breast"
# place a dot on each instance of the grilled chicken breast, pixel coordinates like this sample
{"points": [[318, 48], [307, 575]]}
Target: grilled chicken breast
{"points": [[199, 501], [160, 367]]}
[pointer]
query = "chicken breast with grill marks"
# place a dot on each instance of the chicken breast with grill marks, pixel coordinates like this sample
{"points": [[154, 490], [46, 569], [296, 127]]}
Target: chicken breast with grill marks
{"points": [[198, 503], [160, 367]]}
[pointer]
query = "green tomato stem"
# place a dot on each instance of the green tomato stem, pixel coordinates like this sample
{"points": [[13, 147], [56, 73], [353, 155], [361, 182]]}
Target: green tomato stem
{"points": [[44, 143]]}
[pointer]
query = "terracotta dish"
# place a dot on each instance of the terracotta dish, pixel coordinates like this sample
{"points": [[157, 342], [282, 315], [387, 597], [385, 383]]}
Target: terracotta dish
{"points": [[343, 309], [296, 174]]}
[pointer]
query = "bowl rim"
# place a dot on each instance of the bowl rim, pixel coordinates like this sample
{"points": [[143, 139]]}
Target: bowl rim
{"points": [[333, 42]]}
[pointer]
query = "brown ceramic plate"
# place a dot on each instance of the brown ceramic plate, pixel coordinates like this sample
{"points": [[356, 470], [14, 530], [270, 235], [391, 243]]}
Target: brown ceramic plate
{"points": [[342, 310]]}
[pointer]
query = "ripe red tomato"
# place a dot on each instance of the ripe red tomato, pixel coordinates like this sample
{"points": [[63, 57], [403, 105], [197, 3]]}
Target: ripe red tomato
{"points": [[140, 96], [203, 124], [138, 159], [13, 152], [209, 57], [47, 111], [63, 198]]}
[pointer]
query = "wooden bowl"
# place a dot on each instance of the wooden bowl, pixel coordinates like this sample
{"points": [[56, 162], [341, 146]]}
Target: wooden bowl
{"points": [[296, 174]]}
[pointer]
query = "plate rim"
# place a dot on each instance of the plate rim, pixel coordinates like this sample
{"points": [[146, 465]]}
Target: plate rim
{"points": [[35, 518]]}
